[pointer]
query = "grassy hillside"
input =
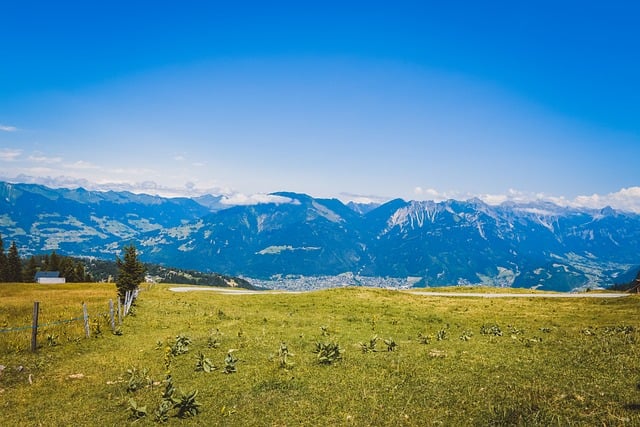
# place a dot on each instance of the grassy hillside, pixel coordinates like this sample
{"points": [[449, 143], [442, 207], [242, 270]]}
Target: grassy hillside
{"points": [[456, 361]]}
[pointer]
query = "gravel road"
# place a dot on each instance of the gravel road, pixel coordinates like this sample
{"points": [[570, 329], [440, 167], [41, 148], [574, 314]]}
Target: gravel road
{"points": [[424, 293]]}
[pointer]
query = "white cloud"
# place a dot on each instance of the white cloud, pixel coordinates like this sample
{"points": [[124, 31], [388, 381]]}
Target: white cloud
{"points": [[627, 199], [363, 199], [41, 158], [9, 154], [253, 199], [432, 194], [5, 128], [81, 164]]}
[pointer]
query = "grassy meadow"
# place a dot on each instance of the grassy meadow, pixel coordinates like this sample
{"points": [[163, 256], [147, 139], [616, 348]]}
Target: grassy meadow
{"points": [[446, 361]]}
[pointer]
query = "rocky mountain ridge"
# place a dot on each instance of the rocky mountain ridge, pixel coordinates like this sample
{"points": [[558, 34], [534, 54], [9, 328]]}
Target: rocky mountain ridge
{"points": [[442, 243]]}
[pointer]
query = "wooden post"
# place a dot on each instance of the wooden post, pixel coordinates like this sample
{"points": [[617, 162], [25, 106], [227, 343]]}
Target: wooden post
{"points": [[85, 314], [127, 302], [34, 327], [112, 316], [119, 311]]}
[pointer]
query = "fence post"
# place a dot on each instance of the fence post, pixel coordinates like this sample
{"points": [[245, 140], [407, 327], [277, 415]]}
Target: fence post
{"points": [[111, 315], [127, 302], [86, 320], [119, 311], [34, 326]]}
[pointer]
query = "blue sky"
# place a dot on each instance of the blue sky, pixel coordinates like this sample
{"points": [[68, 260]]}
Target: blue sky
{"points": [[359, 100]]}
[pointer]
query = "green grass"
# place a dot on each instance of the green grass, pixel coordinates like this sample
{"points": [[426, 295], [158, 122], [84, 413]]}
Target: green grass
{"points": [[556, 362]]}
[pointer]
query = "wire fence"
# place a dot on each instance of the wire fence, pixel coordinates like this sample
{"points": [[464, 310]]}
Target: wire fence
{"points": [[29, 337]]}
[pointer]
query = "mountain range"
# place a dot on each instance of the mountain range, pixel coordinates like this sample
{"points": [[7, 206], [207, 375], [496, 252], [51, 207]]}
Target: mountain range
{"points": [[435, 243]]}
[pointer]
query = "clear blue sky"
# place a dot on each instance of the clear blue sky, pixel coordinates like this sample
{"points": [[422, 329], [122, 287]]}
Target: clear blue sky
{"points": [[416, 100]]}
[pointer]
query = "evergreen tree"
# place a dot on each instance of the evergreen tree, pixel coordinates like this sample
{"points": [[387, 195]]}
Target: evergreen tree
{"points": [[14, 265], [30, 270], [80, 272], [130, 272], [66, 269], [53, 263], [3, 262]]}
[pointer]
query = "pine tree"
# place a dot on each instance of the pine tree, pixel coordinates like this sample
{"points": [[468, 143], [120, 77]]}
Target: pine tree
{"points": [[130, 272], [14, 265], [80, 273], [53, 263], [3, 262], [30, 270]]}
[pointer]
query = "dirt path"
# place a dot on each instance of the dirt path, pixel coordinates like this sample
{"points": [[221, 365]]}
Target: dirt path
{"points": [[527, 295], [230, 291]]}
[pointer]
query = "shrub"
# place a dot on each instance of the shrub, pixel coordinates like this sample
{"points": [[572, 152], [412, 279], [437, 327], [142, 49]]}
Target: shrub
{"points": [[204, 364], [137, 412], [493, 330], [181, 345], [138, 379], [369, 347], [230, 363], [327, 353], [283, 356], [391, 344], [187, 405]]}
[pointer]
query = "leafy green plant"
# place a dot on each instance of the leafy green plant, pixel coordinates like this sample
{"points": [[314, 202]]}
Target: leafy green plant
{"points": [[493, 330], [369, 347], [328, 353], [424, 339], [187, 405], [466, 335], [230, 363], [442, 335], [52, 340], [391, 344], [283, 356], [181, 345], [324, 330], [169, 390], [96, 328], [137, 411], [138, 379], [515, 332], [214, 340], [204, 364], [161, 413]]}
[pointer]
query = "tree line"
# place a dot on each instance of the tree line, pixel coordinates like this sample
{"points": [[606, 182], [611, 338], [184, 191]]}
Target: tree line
{"points": [[15, 269]]}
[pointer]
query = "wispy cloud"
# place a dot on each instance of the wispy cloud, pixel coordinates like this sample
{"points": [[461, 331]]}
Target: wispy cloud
{"points": [[253, 199], [435, 195], [82, 164], [42, 158], [47, 177], [6, 128], [9, 154], [363, 198], [627, 199]]}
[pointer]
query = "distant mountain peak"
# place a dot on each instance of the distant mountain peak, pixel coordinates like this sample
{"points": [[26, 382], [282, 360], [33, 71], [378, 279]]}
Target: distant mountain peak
{"points": [[443, 243]]}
